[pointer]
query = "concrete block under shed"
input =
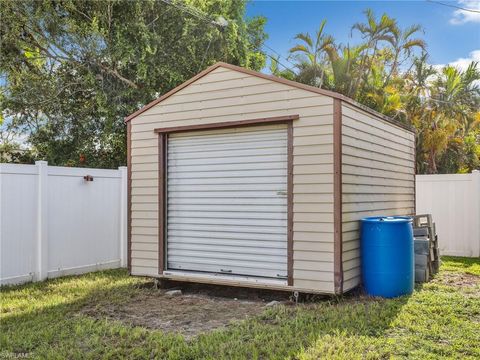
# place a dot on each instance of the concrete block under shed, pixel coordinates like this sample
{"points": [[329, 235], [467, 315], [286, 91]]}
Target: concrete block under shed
{"points": [[172, 293]]}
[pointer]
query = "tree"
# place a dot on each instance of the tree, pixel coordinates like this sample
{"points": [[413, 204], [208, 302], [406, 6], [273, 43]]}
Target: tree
{"points": [[444, 109], [404, 46], [388, 71], [373, 33], [344, 63], [277, 71], [310, 54], [455, 98], [75, 69]]}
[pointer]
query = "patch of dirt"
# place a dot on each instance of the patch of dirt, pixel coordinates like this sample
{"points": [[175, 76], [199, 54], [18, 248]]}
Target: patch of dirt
{"points": [[468, 282], [196, 311]]}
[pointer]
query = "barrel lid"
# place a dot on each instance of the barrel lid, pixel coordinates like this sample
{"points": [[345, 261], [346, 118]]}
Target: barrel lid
{"points": [[388, 219]]}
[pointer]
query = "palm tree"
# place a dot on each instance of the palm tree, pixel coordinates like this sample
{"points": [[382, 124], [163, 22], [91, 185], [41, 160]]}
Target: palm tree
{"points": [[458, 95], [403, 46], [448, 111], [384, 99], [373, 32], [344, 62], [310, 55]]}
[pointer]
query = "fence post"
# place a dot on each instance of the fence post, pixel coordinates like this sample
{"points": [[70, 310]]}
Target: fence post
{"points": [[476, 209], [42, 221], [1, 218], [123, 216]]}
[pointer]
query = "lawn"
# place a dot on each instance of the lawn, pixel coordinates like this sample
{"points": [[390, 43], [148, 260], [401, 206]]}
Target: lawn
{"points": [[440, 320]]}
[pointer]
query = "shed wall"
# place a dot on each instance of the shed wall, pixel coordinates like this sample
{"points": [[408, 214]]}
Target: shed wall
{"points": [[228, 95], [378, 178]]}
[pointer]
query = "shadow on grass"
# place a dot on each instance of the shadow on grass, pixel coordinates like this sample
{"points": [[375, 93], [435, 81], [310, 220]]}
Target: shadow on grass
{"points": [[51, 324]]}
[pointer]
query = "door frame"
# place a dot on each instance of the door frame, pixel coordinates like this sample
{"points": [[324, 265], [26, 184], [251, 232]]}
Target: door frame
{"points": [[162, 179]]}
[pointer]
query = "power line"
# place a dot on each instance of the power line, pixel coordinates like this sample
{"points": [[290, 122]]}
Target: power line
{"points": [[277, 61], [454, 6], [201, 16], [276, 52], [194, 12]]}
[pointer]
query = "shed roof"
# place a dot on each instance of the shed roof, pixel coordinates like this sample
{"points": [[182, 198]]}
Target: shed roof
{"points": [[268, 77]]}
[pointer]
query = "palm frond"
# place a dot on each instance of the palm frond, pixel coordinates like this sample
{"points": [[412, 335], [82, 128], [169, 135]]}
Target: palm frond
{"points": [[299, 48], [320, 31], [409, 31], [370, 18], [305, 37], [418, 43]]}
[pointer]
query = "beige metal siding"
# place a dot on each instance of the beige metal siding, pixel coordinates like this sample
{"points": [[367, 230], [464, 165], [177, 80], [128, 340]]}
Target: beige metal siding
{"points": [[228, 95], [378, 178]]}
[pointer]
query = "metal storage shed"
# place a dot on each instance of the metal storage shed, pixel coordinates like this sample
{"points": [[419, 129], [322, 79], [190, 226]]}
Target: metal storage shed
{"points": [[241, 178]]}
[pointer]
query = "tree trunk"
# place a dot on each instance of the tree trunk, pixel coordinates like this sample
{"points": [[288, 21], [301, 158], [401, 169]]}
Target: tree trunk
{"points": [[432, 164], [393, 69]]}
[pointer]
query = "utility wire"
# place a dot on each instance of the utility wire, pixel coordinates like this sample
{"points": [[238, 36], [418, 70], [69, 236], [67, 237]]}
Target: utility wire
{"points": [[201, 16], [194, 12], [278, 62], [276, 52], [454, 6]]}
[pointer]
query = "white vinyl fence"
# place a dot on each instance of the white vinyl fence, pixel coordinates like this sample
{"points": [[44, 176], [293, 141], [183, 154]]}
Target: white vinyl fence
{"points": [[53, 222], [454, 202]]}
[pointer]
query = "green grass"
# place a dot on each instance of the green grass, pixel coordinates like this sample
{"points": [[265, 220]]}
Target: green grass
{"points": [[440, 320], [467, 265]]}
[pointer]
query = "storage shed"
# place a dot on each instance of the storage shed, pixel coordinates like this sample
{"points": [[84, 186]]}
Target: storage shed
{"points": [[246, 179]]}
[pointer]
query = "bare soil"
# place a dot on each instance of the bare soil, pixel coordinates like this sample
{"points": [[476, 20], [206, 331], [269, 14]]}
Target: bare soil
{"points": [[466, 283], [199, 309]]}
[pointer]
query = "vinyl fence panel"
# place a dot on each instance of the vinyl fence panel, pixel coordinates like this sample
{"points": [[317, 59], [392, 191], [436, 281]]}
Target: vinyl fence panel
{"points": [[53, 222], [18, 219], [454, 202]]}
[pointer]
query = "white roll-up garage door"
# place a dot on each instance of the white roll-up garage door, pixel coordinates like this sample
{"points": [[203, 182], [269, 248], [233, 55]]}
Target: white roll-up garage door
{"points": [[227, 201]]}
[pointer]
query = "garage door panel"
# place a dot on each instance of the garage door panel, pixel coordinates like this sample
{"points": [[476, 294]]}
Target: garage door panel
{"points": [[276, 181], [252, 138], [239, 215], [232, 269], [212, 174], [221, 159], [228, 229], [222, 256], [240, 195], [239, 155], [237, 208], [175, 200], [222, 135], [222, 263], [227, 203], [226, 222], [226, 146], [188, 243], [230, 187], [187, 235]]}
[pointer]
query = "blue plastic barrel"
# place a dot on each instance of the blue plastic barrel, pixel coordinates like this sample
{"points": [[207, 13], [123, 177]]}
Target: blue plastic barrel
{"points": [[388, 267]]}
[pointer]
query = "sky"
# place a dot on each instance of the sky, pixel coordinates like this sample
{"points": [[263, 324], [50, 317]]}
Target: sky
{"points": [[452, 35]]}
